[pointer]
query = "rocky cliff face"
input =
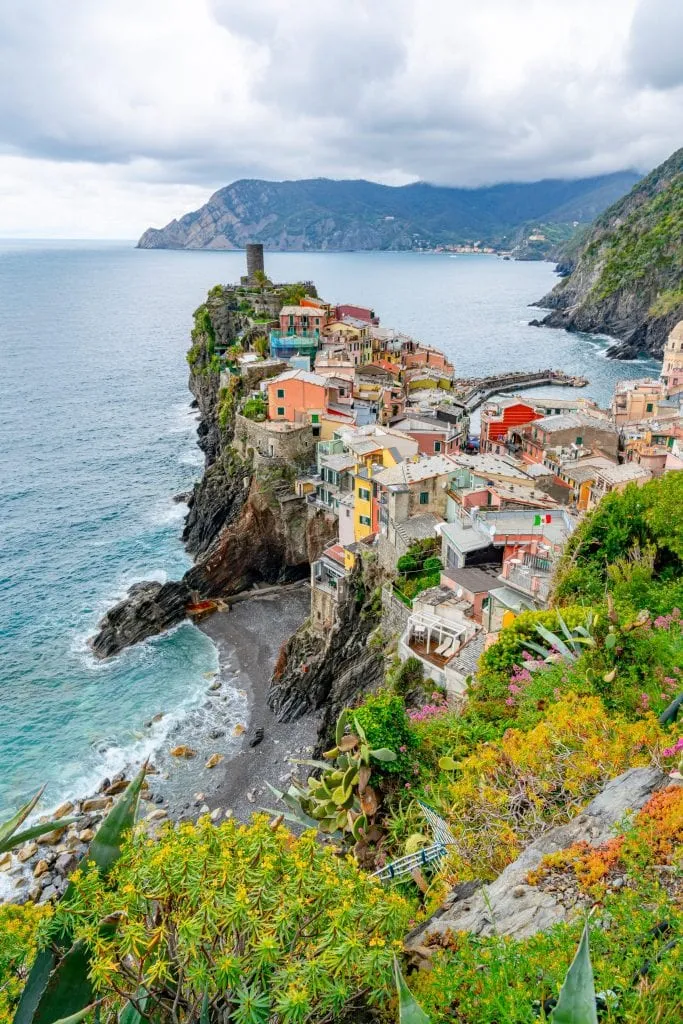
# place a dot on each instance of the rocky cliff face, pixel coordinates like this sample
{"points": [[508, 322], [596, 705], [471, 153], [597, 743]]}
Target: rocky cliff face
{"points": [[331, 671], [243, 526], [626, 278]]}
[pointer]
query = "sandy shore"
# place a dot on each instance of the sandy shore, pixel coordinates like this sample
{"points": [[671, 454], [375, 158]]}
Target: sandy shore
{"points": [[248, 639]]}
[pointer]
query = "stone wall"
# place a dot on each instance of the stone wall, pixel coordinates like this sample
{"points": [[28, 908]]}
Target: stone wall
{"points": [[395, 614], [269, 444]]}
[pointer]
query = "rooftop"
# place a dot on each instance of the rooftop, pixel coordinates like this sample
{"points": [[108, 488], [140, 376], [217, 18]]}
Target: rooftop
{"points": [[476, 580], [336, 553], [622, 474], [418, 527], [303, 375], [407, 473], [571, 421], [300, 311], [488, 464]]}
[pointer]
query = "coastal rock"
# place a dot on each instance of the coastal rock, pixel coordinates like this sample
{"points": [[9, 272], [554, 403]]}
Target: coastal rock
{"points": [[63, 810], [509, 905], [214, 760], [5, 861], [65, 864], [52, 838], [27, 851], [98, 803], [149, 608], [183, 751], [330, 671]]}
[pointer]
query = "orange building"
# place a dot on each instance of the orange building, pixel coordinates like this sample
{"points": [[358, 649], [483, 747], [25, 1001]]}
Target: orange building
{"points": [[297, 396]]}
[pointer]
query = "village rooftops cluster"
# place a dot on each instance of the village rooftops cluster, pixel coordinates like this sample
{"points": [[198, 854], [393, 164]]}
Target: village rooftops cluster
{"points": [[378, 424]]}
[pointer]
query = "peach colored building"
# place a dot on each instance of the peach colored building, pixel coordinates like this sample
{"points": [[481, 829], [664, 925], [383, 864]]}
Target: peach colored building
{"points": [[672, 366], [297, 396]]}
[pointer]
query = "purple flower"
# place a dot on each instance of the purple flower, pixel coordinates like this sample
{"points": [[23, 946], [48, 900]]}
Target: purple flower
{"points": [[407, 785], [402, 749], [644, 701], [510, 702], [513, 688]]}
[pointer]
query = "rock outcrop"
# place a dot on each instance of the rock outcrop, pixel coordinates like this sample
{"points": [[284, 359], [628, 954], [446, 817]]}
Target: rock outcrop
{"points": [[244, 526], [330, 671], [626, 276], [509, 905]]}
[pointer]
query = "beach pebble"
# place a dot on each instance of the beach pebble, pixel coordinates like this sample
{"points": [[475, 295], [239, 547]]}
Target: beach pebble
{"points": [[214, 686], [215, 814], [87, 835], [26, 852], [116, 787], [98, 803], [216, 734], [239, 729], [229, 812], [63, 810], [34, 892], [41, 867], [256, 738], [214, 760], [66, 864], [48, 893], [183, 751], [204, 809], [251, 796], [199, 798], [5, 861], [157, 814]]}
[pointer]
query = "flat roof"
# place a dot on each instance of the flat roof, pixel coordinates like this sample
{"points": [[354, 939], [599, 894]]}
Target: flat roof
{"points": [[476, 580], [413, 472]]}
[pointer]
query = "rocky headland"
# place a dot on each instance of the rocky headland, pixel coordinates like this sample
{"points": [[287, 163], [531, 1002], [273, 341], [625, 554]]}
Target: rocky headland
{"points": [[624, 276]]}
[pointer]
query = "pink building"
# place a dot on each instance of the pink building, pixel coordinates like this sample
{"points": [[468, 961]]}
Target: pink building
{"points": [[302, 320], [297, 397], [357, 312]]}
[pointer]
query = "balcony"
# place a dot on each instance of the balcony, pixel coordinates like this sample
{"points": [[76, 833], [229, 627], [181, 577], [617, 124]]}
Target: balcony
{"points": [[283, 344]]}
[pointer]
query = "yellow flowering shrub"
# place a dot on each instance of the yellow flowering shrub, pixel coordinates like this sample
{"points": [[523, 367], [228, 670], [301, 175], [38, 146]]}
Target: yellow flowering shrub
{"points": [[18, 933], [506, 792], [259, 921]]}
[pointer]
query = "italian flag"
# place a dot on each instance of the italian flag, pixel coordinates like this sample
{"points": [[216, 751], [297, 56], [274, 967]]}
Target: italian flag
{"points": [[539, 520]]}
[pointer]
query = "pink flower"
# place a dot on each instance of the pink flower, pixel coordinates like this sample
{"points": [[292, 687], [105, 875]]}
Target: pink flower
{"points": [[676, 749], [644, 701], [513, 688], [527, 656], [407, 785], [402, 749], [510, 702]]}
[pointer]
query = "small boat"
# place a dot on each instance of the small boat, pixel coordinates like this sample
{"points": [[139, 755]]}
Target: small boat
{"points": [[200, 608]]}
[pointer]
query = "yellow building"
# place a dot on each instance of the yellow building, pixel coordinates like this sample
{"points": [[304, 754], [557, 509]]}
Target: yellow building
{"points": [[374, 453]]}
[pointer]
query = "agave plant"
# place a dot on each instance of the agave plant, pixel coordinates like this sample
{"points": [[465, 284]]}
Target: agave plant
{"points": [[568, 647], [10, 838], [409, 1010], [341, 801], [576, 1003], [59, 985]]}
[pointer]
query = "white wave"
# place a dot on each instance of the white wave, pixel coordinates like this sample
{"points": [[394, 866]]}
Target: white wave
{"points": [[168, 513], [194, 458], [182, 419]]}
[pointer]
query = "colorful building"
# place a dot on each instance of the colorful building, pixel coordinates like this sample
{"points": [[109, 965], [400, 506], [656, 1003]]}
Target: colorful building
{"points": [[672, 366], [499, 417], [297, 396]]}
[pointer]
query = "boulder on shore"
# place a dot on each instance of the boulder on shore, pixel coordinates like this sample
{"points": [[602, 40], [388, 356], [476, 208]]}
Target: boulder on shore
{"points": [[148, 609]]}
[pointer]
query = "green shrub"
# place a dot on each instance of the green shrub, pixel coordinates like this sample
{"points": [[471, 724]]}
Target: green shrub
{"points": [[407, 563], [432, 564], [255, 409], [409, 676], [383, 717], [266, 925]]}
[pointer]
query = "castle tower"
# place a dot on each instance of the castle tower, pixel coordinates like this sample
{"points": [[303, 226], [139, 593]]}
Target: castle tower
{"points": [[254, 260], [672, 367]]}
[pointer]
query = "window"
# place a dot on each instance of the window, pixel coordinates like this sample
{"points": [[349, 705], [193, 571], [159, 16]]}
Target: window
{"points": [[424, 497], [363, 494], [365, 520], [649, 407], [437, 446], [315, 418], [579, 440], [558, 411], [280, 392], [316, 431], [280, 410]]}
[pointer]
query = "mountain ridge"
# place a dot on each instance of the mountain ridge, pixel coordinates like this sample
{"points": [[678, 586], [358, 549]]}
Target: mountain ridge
{"points": [[625, 274], [342, 215]]}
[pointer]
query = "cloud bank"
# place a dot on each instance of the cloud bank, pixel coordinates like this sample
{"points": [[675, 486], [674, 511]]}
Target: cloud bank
{"points": [[117, 114]]}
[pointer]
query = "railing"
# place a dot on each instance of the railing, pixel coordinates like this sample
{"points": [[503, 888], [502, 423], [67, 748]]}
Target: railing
{"points": [[536, 586]]}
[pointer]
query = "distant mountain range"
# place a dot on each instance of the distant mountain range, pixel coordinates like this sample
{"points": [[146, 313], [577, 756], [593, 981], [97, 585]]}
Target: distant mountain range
{"points": [[322, 214], [626, 271]]}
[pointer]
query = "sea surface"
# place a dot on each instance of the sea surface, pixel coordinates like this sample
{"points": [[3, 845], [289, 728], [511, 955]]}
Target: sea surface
{"points": [[96, 436]]}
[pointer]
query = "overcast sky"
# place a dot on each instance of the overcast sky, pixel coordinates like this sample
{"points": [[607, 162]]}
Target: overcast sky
{"points": [[120, 114]]}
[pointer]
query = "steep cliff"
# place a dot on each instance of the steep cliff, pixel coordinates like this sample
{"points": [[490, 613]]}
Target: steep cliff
{"points": [[244, 525], [626, 277], [330, 671], [349, 215]]}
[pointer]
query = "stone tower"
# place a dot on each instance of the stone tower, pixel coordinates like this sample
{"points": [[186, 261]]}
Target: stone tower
{"points": [[254, 260], [672, 367]]}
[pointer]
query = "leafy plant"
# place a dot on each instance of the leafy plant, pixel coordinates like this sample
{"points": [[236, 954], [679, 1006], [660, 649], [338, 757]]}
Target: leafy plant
{"points": [[568, 647], [237, 924], [409, 1010], [341, 800], [576, 1004], [10, 838], [59, 983]]}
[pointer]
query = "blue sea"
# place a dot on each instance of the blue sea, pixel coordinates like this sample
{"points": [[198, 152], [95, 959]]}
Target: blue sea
{"points": [[96, 436]]}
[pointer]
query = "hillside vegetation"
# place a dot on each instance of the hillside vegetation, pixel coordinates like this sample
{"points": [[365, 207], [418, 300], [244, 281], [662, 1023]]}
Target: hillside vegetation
{"points": [[627, 273]]}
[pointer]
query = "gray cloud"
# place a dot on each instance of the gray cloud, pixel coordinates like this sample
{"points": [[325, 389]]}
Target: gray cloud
{"points": [[176, 95], [655, 51]]}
